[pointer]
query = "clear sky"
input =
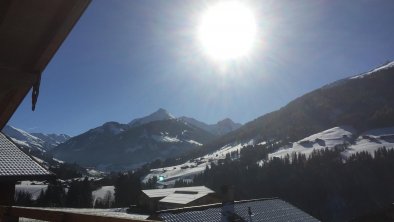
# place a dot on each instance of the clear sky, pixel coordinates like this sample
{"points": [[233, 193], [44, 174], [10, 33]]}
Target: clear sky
{"points": [[125, 59]]}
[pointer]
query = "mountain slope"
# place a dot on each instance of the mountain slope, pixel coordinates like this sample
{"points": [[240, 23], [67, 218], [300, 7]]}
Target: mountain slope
{"points": [[369, 141], [38, 141], [115, 146], [52, 139], [364, 103]]}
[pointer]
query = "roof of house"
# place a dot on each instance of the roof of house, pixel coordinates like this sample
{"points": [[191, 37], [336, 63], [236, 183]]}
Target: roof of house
{"points": [[17, 165], [182, 198], [31, 33], [275, 210], [155, 193]]}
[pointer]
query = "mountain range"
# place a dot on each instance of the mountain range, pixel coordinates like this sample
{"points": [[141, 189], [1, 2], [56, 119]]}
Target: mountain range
{"points": [[160, 135], [362, 102], [35, 141]]}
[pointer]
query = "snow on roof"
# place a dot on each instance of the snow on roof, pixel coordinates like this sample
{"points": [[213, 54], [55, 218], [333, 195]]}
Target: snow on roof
{"points": [[110, 212], [182, 198], [168, 191], [14, 163]]}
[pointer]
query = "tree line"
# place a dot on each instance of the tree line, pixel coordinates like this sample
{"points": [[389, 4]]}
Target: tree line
{"points": [[325, 184]]}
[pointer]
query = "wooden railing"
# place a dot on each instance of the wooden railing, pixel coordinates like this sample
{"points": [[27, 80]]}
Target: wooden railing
{"points": [[11, 214]]}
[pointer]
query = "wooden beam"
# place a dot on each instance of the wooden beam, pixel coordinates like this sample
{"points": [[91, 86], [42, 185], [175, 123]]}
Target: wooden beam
{"points": [[32, 32], [66, 19]]}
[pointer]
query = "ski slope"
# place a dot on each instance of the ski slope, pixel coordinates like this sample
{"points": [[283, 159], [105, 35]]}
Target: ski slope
{"points": [[193, 167]]}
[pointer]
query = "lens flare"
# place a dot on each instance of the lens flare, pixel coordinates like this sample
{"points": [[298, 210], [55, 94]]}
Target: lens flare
{"points": [[227, 30]]}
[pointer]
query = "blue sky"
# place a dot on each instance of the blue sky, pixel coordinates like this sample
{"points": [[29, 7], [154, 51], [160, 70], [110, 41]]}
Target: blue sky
{"points": [[125, 59]]}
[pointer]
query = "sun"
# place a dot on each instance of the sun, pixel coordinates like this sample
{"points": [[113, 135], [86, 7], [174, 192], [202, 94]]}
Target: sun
{"points": [[227, 30]]}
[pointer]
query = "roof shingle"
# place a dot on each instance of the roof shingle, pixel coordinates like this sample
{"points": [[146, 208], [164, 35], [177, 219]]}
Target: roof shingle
{"points": [[275, 210], [15, 164]]}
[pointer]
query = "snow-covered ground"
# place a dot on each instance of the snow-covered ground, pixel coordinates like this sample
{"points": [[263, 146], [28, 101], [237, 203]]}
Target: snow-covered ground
{"points": [[368, 141], [328, 138], [32, 187], [372, 140], [102, 192], [194, 142], [90, 178], [165, 139], [95, 173], [193, 167]]}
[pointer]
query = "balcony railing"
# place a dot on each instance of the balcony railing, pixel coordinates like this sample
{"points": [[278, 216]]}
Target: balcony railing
{"points": [[11, 214]]}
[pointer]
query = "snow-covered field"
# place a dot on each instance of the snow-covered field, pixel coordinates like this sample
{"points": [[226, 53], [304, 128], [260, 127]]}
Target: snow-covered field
{"points": [[95, 173], [328, 138], [372, 140], [32, 187], [35, 188], [368, 141], [191, 168]]}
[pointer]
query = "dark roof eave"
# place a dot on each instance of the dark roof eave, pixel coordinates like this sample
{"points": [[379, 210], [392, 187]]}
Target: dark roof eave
{"points": [[15, 178]]}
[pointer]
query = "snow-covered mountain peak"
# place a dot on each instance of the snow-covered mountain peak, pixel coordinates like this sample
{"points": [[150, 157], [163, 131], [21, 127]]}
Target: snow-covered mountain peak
{"points": [[38, 141], [160, 114], [52, 139], [21, 135]]}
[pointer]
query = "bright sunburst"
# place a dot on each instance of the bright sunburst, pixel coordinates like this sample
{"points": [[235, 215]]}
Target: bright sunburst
{"points": [[227, 30]]}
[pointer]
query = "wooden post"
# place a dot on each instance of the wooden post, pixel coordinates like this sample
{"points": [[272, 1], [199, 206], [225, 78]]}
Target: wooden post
{"points": [[7, 195]]}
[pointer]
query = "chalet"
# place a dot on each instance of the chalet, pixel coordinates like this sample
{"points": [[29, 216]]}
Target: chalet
{"points": [[168, 198]]}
